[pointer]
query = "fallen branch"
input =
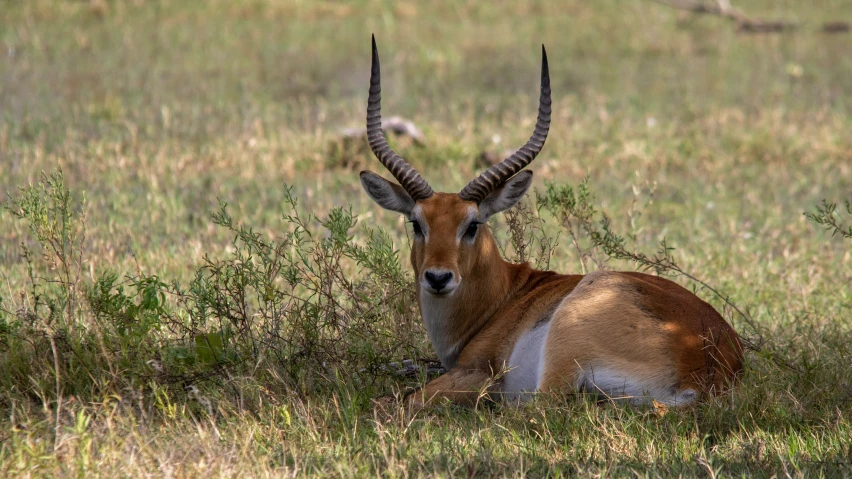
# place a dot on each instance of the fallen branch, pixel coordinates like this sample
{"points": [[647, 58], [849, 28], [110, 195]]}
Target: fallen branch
{"points": [[836, 27], [489, 158], [723, 8], [350, 148], [394, 124]]}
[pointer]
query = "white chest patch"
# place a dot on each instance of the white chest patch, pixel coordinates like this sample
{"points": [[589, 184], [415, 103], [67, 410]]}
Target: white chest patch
{"points": [[437, 314], [525, 364]]}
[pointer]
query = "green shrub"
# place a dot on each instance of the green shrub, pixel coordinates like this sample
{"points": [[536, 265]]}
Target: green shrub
{"points": [[306, 309]]}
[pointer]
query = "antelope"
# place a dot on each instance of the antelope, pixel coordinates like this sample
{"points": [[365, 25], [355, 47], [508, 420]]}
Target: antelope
{"points": [[511, 331]]}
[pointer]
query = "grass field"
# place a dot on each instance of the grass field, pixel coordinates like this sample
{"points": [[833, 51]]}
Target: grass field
{"points": [[139, 338]]}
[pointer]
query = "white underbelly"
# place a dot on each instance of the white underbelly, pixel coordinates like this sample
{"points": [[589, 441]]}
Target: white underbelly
{"points": [[637, 389], [525, 364]]}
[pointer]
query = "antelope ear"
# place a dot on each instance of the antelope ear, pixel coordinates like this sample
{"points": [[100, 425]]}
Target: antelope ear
{"points": [[507, 195], [389, 196]]}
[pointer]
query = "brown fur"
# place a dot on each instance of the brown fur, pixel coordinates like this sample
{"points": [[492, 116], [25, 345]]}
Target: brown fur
{"points": [[644, 325]]}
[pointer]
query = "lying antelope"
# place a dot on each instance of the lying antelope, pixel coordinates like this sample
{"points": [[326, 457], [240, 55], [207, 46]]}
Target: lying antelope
{"points": [[509, 330]]}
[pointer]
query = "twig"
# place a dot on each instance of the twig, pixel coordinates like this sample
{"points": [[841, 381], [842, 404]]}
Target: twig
{"points": [[58, 390], [826, 216]]}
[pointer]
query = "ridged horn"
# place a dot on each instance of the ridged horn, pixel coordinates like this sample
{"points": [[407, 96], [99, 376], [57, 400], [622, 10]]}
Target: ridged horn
{"points": [[404, 173], [495, 176]]}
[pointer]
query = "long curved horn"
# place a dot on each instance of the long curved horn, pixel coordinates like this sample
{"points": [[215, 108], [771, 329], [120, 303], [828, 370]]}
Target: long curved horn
{"points": [[407, 176], [495, 176]]}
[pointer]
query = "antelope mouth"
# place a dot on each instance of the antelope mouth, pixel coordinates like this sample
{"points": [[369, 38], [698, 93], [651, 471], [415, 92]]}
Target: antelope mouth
{"points": [[444, 292]]}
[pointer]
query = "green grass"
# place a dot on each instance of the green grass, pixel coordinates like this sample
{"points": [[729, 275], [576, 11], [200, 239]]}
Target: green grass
{"points": [[156, 111]]}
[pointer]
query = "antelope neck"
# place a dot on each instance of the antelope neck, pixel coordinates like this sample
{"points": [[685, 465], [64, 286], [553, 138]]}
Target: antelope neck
{"points": [[454, 320]]}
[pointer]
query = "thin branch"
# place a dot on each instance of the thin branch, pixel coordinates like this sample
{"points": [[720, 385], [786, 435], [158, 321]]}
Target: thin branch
{"points": [[827, 216]]}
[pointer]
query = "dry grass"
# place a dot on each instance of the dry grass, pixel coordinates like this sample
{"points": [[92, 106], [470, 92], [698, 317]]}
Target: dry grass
{"points": [[716, 142]]}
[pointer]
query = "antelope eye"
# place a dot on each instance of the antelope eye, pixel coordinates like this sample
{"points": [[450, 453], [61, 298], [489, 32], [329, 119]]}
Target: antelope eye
{"points": [[470, 232], [417, 230]]}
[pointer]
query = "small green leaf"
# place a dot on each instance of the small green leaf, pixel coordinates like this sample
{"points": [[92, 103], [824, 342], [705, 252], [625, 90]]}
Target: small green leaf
{"points": [[209, 347]]}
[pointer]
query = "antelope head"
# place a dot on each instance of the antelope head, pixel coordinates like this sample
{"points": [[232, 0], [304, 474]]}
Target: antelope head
{"points": [[451, 244]]}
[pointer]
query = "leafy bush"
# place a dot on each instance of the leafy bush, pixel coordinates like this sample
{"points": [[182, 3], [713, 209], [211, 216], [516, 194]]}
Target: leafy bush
{"points": [[305, 309], [309, 306]]}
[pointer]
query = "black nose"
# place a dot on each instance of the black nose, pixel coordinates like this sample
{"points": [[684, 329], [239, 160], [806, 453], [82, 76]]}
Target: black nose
{"points": [[438, 281]]}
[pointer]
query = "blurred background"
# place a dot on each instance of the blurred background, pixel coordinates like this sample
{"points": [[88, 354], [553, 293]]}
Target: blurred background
{"points": [[156, 108]]}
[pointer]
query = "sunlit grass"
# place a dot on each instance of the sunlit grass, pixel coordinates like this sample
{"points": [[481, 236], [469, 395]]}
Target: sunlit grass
{"points": [[155, 111]]}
